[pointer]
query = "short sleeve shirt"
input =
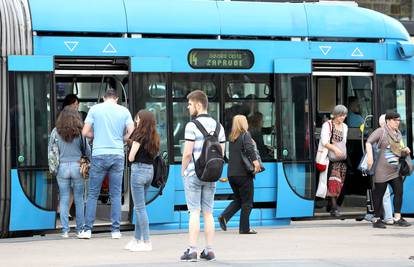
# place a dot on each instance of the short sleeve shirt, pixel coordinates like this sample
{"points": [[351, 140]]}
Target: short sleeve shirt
{"points": [[192, 133], [109, 121]]}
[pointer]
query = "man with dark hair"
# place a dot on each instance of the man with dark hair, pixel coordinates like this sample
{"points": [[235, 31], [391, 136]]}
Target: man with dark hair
{"points": [[199, 195], [109, 124], [70, 100]]}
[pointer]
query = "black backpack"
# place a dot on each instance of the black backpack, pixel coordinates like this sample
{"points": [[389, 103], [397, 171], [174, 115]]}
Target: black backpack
{"points": [[209, 165], [160, 173]]}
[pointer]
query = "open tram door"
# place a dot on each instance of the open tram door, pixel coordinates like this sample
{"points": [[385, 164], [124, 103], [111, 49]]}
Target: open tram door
{"points": [[89, 78], [350, 83]]}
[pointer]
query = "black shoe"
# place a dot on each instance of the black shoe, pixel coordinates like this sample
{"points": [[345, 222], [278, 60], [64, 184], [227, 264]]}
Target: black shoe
{"points": [[402, 222], [379, 224], [70, 217], [187, 256], [222, 223], [207, 256], [250, 232]]}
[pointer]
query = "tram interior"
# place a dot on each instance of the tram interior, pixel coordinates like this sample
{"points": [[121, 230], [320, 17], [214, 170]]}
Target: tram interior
{"points": [[90, 89], [354, 92]]}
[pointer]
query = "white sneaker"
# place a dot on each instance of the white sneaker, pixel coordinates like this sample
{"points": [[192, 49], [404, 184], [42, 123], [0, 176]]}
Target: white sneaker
{"points": [[85, 234], [116, 235], [131, 243], [141, 246], [65, 235]]}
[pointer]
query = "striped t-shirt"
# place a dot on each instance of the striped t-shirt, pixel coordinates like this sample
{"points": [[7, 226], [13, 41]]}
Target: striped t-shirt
{"points": [[192, 133]]}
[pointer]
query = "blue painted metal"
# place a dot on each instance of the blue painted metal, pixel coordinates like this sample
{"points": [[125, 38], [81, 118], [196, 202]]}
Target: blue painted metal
{"points": [[296, 176], [172, 17], [106, 16], [394, 66], [332, 20], [150, 64], [30, 63], [285, 65], [41, 189], [213, 18], [23, 214], [287, 198], [408, 196], [262, 19]]}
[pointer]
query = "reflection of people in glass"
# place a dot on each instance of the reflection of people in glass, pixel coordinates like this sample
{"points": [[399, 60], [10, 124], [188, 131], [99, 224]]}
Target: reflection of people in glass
{"points": [[354, 118], [257, 131]]}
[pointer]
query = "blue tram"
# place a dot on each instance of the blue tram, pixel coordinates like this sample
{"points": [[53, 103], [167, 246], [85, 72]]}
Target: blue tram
{"points": [[283, 65]]}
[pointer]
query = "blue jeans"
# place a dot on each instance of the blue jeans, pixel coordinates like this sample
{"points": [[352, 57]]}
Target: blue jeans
{"points": [[113, 165], [141, 177], [386, 202], [68, 177]]}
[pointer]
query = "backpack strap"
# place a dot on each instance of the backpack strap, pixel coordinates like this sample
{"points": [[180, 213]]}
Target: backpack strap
{"points": [[200, 127], [217, 130]]}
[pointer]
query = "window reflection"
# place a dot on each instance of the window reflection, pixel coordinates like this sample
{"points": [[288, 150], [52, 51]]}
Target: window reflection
{"points": [[182, 85], [251, 96]]}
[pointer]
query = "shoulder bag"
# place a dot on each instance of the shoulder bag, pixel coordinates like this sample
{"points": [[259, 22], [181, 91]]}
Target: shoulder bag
{"points": [[248, 163]]}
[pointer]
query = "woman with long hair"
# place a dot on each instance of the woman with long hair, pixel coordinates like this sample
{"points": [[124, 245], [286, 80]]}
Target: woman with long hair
{"points": [[70, 141], [241, 181], [145, 147]]}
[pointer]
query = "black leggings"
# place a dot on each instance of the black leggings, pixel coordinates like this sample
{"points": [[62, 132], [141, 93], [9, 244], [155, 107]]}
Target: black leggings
{"points": [[378, 194]]}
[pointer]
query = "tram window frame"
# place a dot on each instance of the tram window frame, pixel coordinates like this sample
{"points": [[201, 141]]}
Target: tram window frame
{"points": [[158, 104], [180, 102], [266, 138], [386, 95], [35, 172]]}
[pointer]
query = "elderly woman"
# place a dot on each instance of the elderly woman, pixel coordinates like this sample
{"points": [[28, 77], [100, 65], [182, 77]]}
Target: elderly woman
{"points": [[332, 146], [391, 147]]}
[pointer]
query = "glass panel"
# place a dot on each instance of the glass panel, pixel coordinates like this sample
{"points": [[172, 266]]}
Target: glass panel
{"points": [[30, 127], [299, 176], [359, 93], [392, 97], [30, 118], [182, 86], [295, 114], [258, 106], [151, 94]]}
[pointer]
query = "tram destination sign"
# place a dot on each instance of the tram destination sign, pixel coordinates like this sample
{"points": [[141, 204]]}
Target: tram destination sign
{"points": [[220, 59]]}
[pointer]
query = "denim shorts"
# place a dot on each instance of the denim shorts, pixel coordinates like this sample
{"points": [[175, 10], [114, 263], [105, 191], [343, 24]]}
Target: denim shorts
{"points": [[199, 195]]}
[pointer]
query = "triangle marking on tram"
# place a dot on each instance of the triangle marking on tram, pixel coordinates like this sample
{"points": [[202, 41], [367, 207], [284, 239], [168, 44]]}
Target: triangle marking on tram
{"points": [[71, 45], [109, 48], [357, 53], [325, 49]]}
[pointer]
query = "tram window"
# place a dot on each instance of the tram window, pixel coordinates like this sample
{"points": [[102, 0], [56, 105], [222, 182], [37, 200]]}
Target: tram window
{"points": [[251, 95], [295, 113], [30, 119], [393, 97], [327, 96], [359, 103], [182, 85], [150, 94]]}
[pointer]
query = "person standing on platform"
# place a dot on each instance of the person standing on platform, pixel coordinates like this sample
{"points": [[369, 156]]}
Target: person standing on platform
{"points": [[109, 124]]}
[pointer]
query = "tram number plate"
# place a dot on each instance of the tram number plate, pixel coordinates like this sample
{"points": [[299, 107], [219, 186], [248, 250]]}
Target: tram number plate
{"points": [[220, 59]]}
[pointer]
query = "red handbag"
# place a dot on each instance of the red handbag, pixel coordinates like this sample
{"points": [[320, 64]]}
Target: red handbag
{"points": [[320, 167]]}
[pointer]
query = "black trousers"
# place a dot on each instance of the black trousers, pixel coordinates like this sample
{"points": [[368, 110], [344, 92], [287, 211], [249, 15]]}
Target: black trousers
{"points": [[243, 199], [378, 194]]}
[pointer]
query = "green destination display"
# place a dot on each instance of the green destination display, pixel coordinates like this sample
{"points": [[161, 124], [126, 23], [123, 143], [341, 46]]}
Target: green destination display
{"points": [[220, 59]]}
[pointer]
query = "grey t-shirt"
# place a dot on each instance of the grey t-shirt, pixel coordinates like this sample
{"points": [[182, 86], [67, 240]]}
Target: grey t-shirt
{"points": [[384, 171], [71, 152]]}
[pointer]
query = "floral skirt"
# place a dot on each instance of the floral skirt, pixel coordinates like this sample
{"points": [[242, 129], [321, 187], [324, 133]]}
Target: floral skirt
{"points": [[336, 178]]}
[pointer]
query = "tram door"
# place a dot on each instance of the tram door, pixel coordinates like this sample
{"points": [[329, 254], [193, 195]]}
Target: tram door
{"points": [[352, 88], [89, 79]]}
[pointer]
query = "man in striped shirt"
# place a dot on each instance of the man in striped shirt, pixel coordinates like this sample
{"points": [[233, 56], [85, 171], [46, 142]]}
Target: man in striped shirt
{"points": [[199, 195]]}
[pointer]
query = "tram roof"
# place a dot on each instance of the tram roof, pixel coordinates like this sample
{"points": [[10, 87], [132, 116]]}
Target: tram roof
{"points": [[201, 17]]}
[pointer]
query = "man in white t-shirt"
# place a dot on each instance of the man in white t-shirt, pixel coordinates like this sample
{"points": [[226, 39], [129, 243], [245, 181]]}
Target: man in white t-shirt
{"points": [[199, 195]]}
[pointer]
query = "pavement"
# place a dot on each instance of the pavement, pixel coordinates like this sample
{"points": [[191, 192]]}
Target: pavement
{"points": [[303, 243]]}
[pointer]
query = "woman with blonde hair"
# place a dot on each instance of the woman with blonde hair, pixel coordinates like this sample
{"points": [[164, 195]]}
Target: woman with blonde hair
{"points": [[241, 180]]}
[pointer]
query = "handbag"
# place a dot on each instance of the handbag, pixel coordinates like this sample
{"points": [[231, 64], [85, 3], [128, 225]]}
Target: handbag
{"points": [[363, 164], [248, 163], [84, 162], [340, 145], [405, 166]]}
